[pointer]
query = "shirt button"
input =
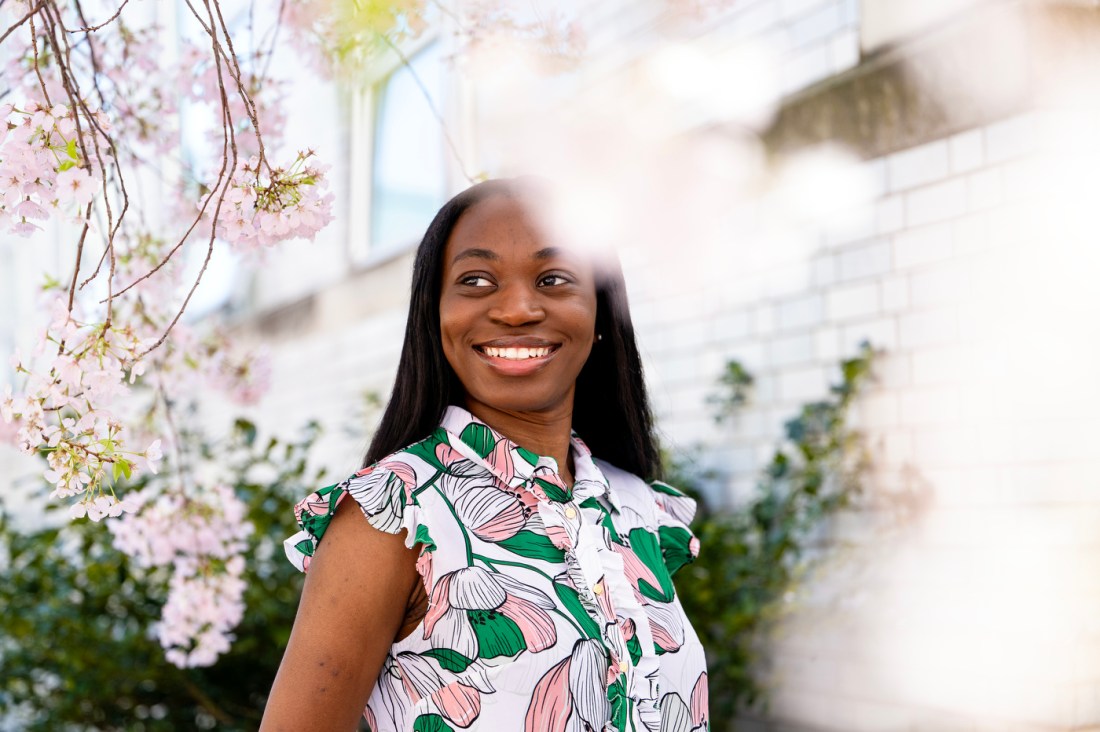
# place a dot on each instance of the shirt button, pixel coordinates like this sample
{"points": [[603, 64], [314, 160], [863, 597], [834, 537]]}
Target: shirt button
{"points": [[622, 667], [570, 512], [598, 589]]}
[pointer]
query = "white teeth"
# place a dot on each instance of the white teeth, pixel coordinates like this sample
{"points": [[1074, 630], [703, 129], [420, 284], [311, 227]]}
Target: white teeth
{"points": [[516, 354]]}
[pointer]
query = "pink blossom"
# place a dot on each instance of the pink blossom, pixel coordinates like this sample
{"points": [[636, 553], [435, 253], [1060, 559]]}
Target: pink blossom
{"points": [[153, 456], [75, 185]]}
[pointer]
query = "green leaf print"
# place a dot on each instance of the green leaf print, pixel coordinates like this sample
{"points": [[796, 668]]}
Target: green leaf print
{"points": [[572, 602], [645, 545], [449, 659], [479, 437], [665, 488], [431, 723], [305, 546], [533, 546], [635, 647], [528, 455], [620, 702], [423, 537], [425, 449], [606, 521], [496, 634], [315, 523], [676, 547], [553, 492]]}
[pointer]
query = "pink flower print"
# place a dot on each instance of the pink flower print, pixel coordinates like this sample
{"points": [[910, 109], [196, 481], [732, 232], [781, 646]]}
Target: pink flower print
{"points": [[559, 535], [635, 570], [377, 490], [700, 702], [490, 513], [613, 669], [456, 694], [677, 717], [401, 469], [482, 614], [500, 460], [666, 623], [572, 694], [603, 599], [424, 569], [455, 462], [447, 455], [314, 504]]}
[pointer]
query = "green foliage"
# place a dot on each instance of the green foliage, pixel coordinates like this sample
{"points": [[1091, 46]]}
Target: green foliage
{"points": [[75, 648], [735, 383], [751, 558]]}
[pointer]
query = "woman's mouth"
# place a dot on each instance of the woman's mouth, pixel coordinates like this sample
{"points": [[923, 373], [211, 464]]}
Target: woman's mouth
{"points": [[517, 360], [516, 354]]}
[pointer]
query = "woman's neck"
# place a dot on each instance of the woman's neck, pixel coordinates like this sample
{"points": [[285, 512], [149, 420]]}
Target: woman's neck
{"points": [[543, 433]]}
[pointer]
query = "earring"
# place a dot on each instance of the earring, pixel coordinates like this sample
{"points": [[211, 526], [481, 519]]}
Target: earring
{"points": [[599, 337]]}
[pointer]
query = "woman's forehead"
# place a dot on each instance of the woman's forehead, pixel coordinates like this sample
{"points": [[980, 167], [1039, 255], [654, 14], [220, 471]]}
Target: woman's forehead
{"points": [[504, 224]]}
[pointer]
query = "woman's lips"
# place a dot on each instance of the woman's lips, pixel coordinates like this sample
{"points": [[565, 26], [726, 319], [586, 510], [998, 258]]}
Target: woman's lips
{"points": [[517, 360]]}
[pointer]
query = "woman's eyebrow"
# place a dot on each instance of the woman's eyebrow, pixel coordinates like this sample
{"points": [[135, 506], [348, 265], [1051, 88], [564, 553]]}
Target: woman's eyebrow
{"points": [[548, 253], [475, 254]]}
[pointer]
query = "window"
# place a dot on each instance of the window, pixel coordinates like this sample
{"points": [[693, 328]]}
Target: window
{"points": [[408, 172]]}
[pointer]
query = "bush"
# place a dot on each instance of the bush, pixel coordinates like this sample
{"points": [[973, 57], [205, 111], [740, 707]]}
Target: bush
{"points": [[751, 557], [75, 644]]}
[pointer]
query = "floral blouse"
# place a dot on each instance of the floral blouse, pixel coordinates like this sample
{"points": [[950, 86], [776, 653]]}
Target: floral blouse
{"points": [[550, 609]]}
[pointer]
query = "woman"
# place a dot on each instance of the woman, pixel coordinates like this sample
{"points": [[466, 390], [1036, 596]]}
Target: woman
{"points": [[505, 578]]}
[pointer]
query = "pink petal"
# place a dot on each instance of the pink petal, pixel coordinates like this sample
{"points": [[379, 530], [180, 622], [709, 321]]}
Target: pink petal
{"points": [[446, 454], [551, 705], [492, 513], [402, 470], [534, 623], [501, 460], [438, 603], [424, 568], [559, 537], [459, 703], [504, 525], [635, 569], [700, 701], [662, 637]]}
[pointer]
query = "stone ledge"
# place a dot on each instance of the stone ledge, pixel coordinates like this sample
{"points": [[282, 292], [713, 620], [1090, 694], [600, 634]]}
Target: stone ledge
{"points": [[991, 63]]}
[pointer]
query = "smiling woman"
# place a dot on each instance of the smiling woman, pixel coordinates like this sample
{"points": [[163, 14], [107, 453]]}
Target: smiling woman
{"points": [[506, 576]]}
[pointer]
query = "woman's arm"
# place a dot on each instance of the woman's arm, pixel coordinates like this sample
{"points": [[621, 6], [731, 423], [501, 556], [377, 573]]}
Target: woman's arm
{"points": [[354, 599]]}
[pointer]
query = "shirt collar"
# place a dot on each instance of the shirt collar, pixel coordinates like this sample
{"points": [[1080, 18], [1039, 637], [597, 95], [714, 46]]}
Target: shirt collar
{"points": [[515, 465]]}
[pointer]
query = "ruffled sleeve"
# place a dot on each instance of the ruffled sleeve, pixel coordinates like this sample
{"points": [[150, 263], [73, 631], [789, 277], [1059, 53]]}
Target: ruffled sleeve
{"points": [[384, 492], [675, 511]]}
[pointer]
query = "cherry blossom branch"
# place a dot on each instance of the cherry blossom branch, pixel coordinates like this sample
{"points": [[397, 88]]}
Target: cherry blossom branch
{"points": [[90, 29], [19, 23]]}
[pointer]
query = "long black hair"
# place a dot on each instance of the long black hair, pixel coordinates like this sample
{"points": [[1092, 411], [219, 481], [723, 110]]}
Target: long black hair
{"points": [[611, 409]]}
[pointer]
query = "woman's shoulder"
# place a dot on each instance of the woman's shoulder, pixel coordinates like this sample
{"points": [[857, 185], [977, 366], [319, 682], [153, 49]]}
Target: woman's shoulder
{"points": [[386, 491], [639, 494]]}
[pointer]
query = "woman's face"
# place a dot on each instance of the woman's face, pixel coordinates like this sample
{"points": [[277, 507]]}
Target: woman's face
{"points": [[517, 314]]}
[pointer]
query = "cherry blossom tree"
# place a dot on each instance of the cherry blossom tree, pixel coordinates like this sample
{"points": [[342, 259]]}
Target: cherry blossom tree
{"points": [[90, 103]]}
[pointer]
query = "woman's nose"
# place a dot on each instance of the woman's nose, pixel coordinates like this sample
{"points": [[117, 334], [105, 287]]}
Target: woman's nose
{"points": [[516, 305]]}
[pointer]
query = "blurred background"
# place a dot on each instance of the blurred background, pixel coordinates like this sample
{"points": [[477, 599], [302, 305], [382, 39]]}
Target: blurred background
{"points": [[783, 180]]}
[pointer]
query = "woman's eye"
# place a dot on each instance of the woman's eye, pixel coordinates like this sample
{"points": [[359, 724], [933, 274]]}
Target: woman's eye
{"points": [[553, 279], [475, 281]]}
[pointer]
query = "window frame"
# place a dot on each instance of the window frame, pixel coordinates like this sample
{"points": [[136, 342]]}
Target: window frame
{"points": [[365, 106]]}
